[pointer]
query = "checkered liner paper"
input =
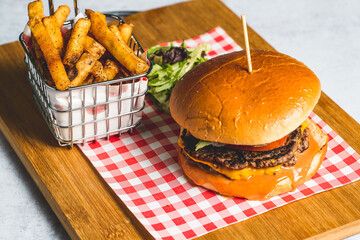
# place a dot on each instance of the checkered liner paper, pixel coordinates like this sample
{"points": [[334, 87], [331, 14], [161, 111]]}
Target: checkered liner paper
{"points": [[142, 170]]}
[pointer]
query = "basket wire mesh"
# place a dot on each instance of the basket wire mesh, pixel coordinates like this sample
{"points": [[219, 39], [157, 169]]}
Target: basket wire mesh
{"points": [[115, 107]]}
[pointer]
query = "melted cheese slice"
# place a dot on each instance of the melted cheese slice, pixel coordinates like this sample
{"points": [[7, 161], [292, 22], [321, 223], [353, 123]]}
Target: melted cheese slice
{"points": [[304, 125], [236, 174], [245, 173]]}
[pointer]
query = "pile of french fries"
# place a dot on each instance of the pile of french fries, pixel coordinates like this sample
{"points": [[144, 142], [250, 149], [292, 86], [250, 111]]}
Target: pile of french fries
{"points": [[90, 52]]}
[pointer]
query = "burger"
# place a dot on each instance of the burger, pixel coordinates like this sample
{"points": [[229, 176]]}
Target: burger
{"points": [[247, 134]]}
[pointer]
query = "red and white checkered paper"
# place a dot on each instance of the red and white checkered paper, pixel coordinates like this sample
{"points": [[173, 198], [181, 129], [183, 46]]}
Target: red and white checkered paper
{"points": [[142, 170]]}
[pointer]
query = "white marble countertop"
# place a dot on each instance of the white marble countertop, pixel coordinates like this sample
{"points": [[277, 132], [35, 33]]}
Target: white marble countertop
{"points": [[324, 34]]}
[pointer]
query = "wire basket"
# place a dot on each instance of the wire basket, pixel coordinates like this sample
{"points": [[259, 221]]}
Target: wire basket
{"points": [[90, 112]]}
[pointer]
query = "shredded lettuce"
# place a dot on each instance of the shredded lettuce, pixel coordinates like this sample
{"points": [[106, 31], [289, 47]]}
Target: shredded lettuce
{"points": [[164, 76]]}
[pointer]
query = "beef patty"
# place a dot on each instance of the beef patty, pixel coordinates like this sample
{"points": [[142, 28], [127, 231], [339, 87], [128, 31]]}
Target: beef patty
{"points": [[296, 142]]}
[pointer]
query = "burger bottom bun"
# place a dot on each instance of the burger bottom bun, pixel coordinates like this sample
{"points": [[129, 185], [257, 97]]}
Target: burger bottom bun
{"points": [[261, 187]]}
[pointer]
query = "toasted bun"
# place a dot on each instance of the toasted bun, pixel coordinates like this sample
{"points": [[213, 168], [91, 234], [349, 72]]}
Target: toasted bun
{"points": [[260, 187], [220, 101]]}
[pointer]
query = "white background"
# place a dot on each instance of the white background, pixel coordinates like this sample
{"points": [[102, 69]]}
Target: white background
{"points": [[324, 34]]}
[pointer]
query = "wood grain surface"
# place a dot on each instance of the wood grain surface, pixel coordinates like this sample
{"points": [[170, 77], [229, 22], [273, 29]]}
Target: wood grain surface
{"points": [[88, 208]]}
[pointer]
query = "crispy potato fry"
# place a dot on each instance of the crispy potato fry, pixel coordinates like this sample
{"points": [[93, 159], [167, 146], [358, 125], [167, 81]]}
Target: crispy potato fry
{"points": [[54, 32], [98, 72], [90, 45], [38, 56], [88, 13], [116, 32], [36, 10], [51, 55], [123, 72], [72, 73], [75, 46], [36, 51], [39, 66], [83, 68], [110, 69], [66, 37], [61, 14], [93, 47], [126, 30], [106, 55], [88, 80], [48, 77], [117, 48]]}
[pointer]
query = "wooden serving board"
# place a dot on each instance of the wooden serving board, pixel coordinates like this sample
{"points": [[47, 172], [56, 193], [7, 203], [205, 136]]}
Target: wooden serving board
{"points": [[87, 207]]}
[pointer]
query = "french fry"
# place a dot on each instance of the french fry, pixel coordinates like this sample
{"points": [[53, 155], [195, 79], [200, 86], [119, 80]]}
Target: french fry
{"points": [[51, 55], [123, 72], [116, 32], [47, 76], [117, 48], [88, 12], [37, 51], [83, 67], [38, 56], [98, 72], [90, 45], [107, 55], [88, 80], [126, 30], [93, 47], [75, 46], [54, 32], [66, 37], [72, 73], [110, 69], [36, 10], [61, 14]]}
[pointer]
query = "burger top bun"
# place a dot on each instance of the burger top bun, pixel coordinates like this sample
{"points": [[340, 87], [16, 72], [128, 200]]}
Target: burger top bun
{"points": [[220, 101]]}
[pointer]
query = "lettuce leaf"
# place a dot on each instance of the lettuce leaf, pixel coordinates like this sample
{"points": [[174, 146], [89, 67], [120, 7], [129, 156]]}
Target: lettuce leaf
{"points": [[164, 76], [201, 144]]}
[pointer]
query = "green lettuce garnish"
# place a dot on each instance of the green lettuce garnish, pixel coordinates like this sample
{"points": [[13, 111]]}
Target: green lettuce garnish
{"points": [[164, 76], [201, 144]]}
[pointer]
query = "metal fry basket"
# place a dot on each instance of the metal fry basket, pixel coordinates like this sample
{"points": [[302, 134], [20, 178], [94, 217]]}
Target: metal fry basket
{"points": [[90, 112]]}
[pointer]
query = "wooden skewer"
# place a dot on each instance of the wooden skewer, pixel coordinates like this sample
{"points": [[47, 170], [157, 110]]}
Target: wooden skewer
{"points": [[247, 47]]}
